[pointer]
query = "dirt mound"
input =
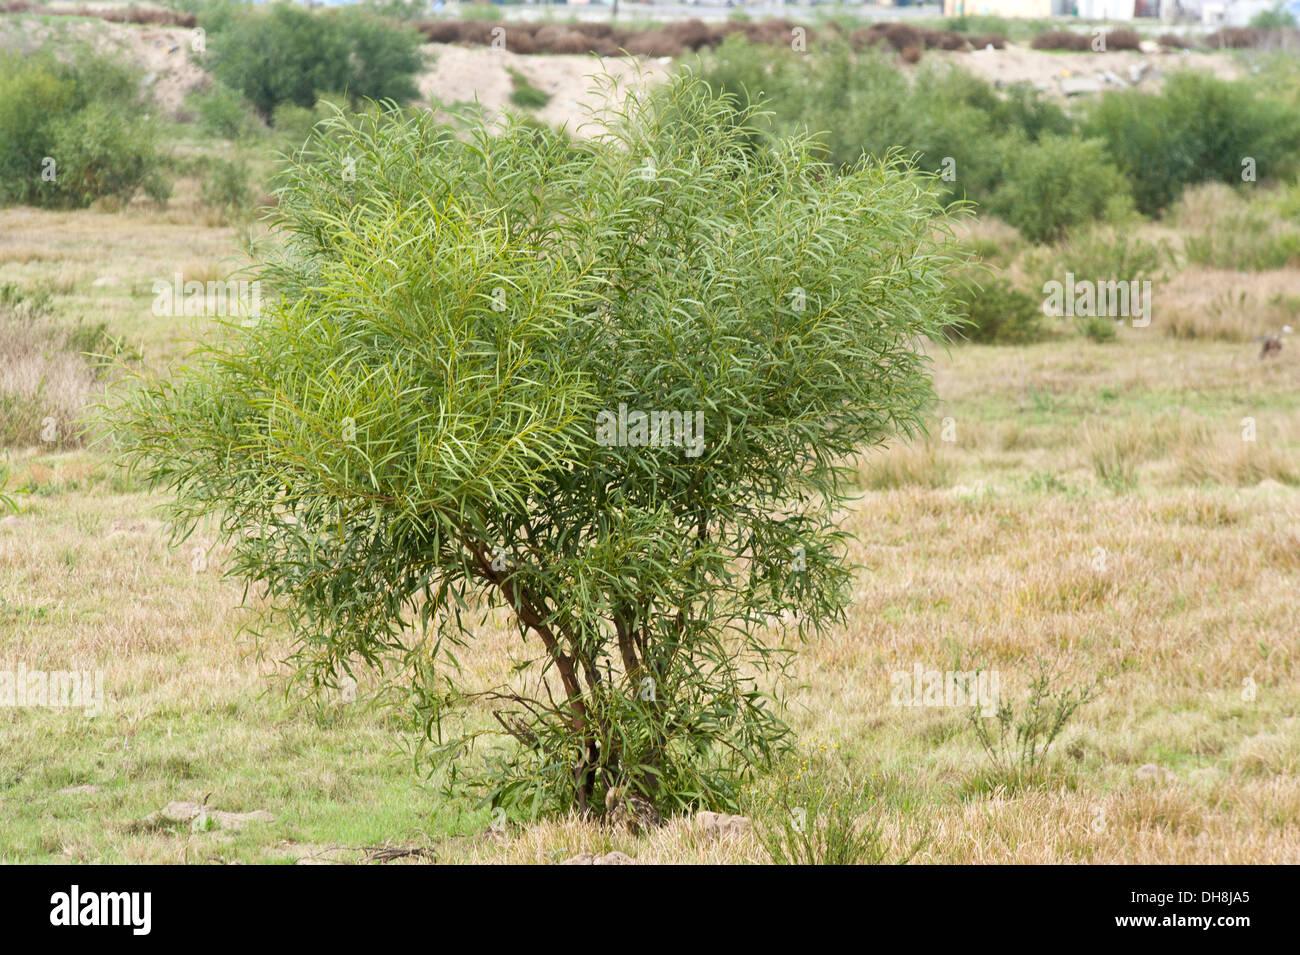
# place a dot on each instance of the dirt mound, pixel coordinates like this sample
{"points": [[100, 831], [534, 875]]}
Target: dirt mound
{"points": [[1061, 40], [146, 16], [1252, 38], [684, 36]]}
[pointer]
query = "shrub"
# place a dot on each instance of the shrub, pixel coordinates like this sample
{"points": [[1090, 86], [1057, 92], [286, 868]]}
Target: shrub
{"points": [[1062, 40], [1101, 254], [996, 312], [45, 379], [863, 103], [1097, 328], [1057, 183], [290, 55], [810, 811], [1122, 39], [1278, 18], [393, 443], [1017, 741], [225, 187], [1197, 129], [223, 112], [72, 133], [525, 95]]}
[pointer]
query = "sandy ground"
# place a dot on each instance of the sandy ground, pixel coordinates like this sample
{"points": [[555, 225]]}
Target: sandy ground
{"points": [[462, 74], [1018, 64], [163, 53]]}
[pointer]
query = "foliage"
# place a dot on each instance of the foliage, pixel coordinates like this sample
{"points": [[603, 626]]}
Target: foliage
{"points": [[996, 312], [1059, 182], [7, 503], [1196, 129], [224, 112], [395, 448], [1017, 740], [524, 94], [810, 811], [224, 186], [290, 55], [944, 118], [1278, 18], [71, 133]]}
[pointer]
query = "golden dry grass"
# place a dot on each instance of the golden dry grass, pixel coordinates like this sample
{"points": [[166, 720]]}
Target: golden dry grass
{"points": [[984, 548]]}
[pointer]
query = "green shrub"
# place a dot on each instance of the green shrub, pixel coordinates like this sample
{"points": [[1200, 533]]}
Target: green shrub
{"points": [[950, 122], [1100, 254], [290, 55], [396, 442], [100, 153], [1251, 239], [224, 112], [1057, 183], [811, 811], [72, 133], [996, 312], [1097, 328], [524, 94], [1196, 129], [1017, 740], [225, 187], [1278, 18]]}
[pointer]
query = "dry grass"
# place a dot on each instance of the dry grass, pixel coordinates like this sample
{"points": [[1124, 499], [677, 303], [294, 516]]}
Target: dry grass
{"points": [[1002, 546]]}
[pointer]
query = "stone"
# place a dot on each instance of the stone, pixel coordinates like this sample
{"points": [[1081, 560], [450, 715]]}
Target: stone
{"points": [[1079, 86], [721, 824], [203, 818], [610, 858]]}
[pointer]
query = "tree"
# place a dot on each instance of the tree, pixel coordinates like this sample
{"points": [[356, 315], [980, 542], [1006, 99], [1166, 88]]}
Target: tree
{"points": [[610, 385], [290, 55]]}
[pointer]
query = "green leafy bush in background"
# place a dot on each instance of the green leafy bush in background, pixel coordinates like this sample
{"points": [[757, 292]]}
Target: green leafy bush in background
{"points": [[224, 112], [290, 55], [1196, 129], [950, 122], [84, 121], [996, 312], [1057, 183]]}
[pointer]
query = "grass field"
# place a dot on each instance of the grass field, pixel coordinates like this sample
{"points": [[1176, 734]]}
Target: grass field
{"points": [[1096, 507], [1100, 514]]}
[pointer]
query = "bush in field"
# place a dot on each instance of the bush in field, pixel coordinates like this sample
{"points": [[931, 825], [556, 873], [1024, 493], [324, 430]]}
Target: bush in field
{"points": [[950, 121], [996, 312], [290, 55], [72, 133], [224, 112], [1197, 129], [45, 379], [1059, 182], [609, 386], [224, 186]]}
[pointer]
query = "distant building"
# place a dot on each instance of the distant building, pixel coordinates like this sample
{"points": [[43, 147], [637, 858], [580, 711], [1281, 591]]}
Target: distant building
{"points": [[1032, 9], [1235, 13]]}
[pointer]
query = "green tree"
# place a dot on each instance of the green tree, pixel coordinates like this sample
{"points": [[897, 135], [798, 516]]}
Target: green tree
{"points": [[419, 428], [1057, 183], [71, 133], [290, 55]]}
